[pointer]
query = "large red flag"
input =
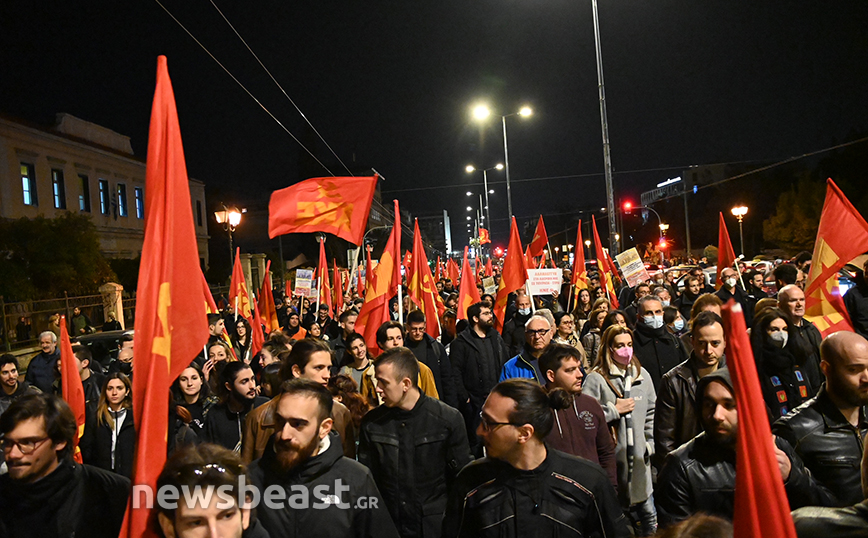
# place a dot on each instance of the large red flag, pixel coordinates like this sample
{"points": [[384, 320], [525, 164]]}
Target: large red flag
{"points": [[337, 205], [604, 267], [382, 287], [489, 270], [484, 236], [437, 271], [761, 505], [322, 278], [256, 338], [420, 286], [452, 271], [70, 384], [338, 287], [266, 302], [528, 259], [239, 297], [540, 239], [725, 254], [579, 278], [369, 271], [468, 294], [841, 236], [512, 276], [170, 325], [210, 304]]}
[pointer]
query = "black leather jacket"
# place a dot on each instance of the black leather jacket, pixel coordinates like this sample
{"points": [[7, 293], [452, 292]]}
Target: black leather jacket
{"points": [[829, 445], [414, 456], [575, 498], [849, 522]]}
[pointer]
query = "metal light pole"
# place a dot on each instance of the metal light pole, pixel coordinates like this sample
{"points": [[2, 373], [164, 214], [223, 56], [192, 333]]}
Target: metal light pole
{"points": [[607, 157], [740, 212], [481, 112], [230, 219]]}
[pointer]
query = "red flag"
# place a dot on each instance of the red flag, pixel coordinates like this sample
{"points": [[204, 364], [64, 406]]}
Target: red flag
{"points": [[489, 271], [382, 287], [725, 254], [452, 271], [604, 267], [437, 272], [406, 262], [266, 302], [256, 338], [420, 286], [369, 270], [540, 239], [484, 236], [170, 327], [761, 505], [238, 294], [338, 286], [322, 278], [841, 236], [512, 276], [579, 278], [210, 305], [337, 205], [72, 390], [528, 259], [467, 292]]}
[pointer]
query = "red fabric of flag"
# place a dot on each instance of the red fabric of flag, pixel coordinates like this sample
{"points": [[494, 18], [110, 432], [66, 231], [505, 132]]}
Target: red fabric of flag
{"points": [[725, 254], [382, 287], [267, 309], [528, 259], [420, 286], [322, 279], [71, 388], [512, 276], [437, 271], [761, 505], [452, 271], [239, 297], [579, 278], [257, 338], [604, 267], [170, 327], [489, 270], [336, 205], [369, 270], [338, 288], [484, 236], [468, 294], [540, 239], [210, 305]]}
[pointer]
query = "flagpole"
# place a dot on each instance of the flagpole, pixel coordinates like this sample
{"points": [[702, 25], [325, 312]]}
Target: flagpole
{"points": [[434, 302], [400, 303], [236, 309]]}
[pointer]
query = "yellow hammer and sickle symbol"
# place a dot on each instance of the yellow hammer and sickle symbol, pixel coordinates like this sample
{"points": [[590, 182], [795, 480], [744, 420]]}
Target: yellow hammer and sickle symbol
{"points": [[163, 344]]}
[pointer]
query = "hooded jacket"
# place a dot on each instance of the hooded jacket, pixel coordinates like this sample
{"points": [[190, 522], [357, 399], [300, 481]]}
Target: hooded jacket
{"points": [[356, 510]]}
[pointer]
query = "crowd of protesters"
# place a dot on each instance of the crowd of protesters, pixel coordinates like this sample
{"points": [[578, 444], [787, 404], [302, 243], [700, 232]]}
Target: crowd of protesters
{"points": [[576, 418]]}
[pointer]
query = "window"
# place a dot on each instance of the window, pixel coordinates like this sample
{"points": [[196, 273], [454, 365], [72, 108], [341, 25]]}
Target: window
{"points": [[122, 200], [104, 197], [140, 203], [84, 193], [198, 212], [28, 184], [58, 188]]}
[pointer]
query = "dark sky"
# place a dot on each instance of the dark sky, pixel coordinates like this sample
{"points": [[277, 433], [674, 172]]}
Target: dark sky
{"points": [[389, 85]]}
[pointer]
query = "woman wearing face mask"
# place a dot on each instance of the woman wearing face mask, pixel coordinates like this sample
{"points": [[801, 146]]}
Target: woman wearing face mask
{"points": [[673, 320], [780, 361], [109, 440], [626, 393]]}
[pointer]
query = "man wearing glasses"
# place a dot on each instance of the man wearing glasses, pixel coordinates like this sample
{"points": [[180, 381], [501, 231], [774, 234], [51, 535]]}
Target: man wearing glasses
{"points": [[537, 336], [46, 493], [522, 488]]}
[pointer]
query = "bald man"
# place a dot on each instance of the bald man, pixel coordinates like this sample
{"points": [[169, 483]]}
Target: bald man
{"points": [[791, 299], [827, 431]]}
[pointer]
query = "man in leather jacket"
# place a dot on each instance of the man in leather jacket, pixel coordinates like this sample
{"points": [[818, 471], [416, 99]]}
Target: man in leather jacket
{"points": [[414, 446], [523, 488], [700, 475], [827, 431]]}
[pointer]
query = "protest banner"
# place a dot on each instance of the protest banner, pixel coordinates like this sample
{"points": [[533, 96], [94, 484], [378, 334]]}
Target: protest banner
{"points": [[544, 281], [632, 267]]}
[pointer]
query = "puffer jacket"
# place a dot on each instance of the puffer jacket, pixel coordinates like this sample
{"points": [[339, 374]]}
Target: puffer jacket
{"points": [[829, 445]]}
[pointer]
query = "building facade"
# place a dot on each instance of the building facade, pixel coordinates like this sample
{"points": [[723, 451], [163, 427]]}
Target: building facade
{"points": [[83, 167]]}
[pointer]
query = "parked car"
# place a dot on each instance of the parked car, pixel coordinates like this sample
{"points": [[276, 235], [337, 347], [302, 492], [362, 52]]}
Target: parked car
{"points": [[103, 345]]}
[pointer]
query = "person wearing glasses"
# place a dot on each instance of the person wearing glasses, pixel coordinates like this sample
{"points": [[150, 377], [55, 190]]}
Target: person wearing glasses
{"points": [[537, 336], [524, 488], [45, 493]]}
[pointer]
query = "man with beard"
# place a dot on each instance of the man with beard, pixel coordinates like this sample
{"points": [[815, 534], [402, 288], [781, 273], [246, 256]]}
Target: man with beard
{"points": [[581, 428], [293, 328], [238, 396], [827, 431], [308, 486], [477, 354], [513, 330], [700, 475], [692, 290], [13, 386], [413, 475], [91, 380], [347, 324]]}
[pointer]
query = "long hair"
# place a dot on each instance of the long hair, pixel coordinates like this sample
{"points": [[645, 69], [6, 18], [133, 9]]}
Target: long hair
{"points": [[237, 341], [759, 336], [604, 358], [178, 394], [103, 414]]}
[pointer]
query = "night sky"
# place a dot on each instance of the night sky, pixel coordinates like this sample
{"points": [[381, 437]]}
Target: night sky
{"points": [[389, 85]]}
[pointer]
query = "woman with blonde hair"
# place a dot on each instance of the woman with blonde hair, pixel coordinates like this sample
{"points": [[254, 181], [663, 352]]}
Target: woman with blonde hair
{"points": [[109, 440], [626, 393]]}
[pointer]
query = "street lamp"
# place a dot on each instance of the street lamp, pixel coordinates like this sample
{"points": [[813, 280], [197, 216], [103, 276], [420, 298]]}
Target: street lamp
{"points": [[230, 218], [482, 112], [470, 169], [740, 212]]}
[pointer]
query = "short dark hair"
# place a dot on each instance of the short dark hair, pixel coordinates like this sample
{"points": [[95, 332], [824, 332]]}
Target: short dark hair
{"points": [[9, 358], [83, 353], [786, 273], [670, 314], [702, 302], [213, 319], [229, 374], [554, 355], [704, 319], [58, 418], [381, 331], [300, 355], [403, 362], [124, 339], [474, 311], [532, 404], [345, 315], [642, 285], [310, 389], [415, 316]]}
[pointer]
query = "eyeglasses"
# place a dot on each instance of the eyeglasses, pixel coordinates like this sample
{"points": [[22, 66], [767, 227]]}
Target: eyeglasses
{"points": [[489, 425], [25, 446], [539, 332]]}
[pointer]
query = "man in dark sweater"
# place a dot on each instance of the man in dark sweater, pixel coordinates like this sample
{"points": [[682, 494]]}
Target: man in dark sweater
{"points": [[581, 428], [40, 371], [431, 353], [225, 421]]}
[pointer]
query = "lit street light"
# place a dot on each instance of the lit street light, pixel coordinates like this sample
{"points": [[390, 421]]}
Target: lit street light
{"points": [[740, 212], [230, 218], [470, 169]]}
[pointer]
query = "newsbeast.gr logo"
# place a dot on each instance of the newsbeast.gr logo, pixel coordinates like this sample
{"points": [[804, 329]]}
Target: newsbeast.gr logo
{"points": [[274, 497]]}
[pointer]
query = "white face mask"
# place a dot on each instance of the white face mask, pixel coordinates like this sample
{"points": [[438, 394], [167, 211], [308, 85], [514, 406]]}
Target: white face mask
{"points": [[524, 311], [678, 324], [665, 303], [730, 282], [779, 338], [655, 322]]}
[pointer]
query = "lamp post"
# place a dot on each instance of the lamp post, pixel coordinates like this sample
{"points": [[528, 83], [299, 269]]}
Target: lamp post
{"points": [[482, 112], [588, 244], [740, 212], [604, 122], [230, 218], [470, 169]]}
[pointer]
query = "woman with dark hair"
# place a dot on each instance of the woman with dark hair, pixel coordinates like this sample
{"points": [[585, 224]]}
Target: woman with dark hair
{"points": [[192, 393], [241, 340], [109, 440], [785, 378], [565, 330], [583, 305], [345, 390], [615, 317], [270, 385], [358, 364], [591, 341], [599, 304], [315, 331], [626, 393]]}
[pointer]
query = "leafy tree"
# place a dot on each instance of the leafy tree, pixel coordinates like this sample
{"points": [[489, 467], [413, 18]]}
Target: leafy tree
{"points": [[793, 226], [42, 258], [711, 252]]}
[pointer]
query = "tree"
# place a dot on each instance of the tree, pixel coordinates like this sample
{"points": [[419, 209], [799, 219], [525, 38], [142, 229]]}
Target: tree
{"points": [[42, 258], [793, 226]]}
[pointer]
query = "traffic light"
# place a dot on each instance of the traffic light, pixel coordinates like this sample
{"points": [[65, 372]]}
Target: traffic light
{"points": [[663, 244], [498, 252], [628, 208]]}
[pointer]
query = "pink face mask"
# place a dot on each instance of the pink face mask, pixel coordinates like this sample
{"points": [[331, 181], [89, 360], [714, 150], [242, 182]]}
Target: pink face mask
{"points": [[623, 355]]}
